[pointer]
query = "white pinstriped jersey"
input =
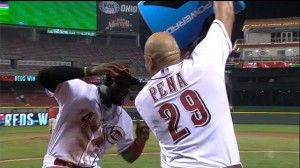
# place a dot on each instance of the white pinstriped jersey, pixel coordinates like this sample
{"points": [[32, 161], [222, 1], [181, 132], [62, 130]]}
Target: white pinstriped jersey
{"points": [[186, 107], [77, 137]]}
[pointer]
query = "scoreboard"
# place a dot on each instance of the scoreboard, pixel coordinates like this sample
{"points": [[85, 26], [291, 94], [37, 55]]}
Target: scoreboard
{"points": [[32, 78], [18, 78]]}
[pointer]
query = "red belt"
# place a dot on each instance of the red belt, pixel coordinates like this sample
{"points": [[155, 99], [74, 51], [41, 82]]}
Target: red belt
{"points": [[235, 166], [60, 162]]}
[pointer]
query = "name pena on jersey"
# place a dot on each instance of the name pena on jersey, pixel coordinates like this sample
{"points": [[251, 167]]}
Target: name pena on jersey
{"points": [[167, 86]]}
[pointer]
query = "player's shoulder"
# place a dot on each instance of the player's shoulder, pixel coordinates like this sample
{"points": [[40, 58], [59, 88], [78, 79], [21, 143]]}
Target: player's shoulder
{"points": [[141, 95], [122, 113], [218, 27], [76, 81], [80, 88]]}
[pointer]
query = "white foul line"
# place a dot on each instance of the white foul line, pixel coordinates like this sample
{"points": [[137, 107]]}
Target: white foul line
{"points": [[154, 153]]}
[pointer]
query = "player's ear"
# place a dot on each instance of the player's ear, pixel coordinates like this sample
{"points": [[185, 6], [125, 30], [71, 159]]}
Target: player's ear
{"points": [[152, 63], [107, 81]]}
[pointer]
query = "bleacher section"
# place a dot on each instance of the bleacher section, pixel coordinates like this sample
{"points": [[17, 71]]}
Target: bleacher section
{"points": [[16, 45], [75, 51], [37, 99], [8, 99]]}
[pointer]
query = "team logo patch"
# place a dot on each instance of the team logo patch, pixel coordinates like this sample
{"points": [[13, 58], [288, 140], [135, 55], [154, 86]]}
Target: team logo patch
{"points": [[115, 134]]}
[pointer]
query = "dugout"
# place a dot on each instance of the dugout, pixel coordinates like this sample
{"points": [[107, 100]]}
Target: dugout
{"points": [[264, 86], [264, 95]]}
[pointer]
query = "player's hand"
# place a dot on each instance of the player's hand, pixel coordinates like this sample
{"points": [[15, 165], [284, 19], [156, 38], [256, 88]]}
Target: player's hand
{"points": [[142, 132], [111, 67]]}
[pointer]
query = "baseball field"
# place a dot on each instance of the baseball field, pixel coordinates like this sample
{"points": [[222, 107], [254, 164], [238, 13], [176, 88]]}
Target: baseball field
{"points": [[261, 146]]}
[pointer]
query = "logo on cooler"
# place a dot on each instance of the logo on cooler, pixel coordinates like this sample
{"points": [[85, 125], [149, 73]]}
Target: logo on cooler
{"points": [[188, 18]]}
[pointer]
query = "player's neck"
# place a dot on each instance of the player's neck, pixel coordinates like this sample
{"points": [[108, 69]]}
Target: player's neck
{"points": [[163, 66]]}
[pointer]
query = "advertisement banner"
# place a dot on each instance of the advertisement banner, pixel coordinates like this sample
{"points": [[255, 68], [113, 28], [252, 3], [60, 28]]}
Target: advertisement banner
{"points": [[264, 65], [23, 119], [37, 119], [118, 16]]}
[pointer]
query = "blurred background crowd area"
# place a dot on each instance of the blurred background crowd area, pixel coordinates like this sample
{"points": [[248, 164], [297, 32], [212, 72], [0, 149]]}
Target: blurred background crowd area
{"points": [[262, 70]]}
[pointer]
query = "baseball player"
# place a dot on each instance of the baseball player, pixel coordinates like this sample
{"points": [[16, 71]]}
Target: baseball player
{"points": [[52, 113], [185, 102], [91, 118]]}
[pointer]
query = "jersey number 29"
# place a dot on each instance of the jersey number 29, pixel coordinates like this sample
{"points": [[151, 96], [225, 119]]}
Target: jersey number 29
{"points": [[191, 102]]}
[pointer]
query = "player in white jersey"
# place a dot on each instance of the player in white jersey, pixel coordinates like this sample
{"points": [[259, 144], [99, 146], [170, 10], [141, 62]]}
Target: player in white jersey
{"points": [[91, 118], [185, 102]]}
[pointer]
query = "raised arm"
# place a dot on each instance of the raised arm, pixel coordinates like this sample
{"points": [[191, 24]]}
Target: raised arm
{"points": [[50, 77], [224, 11]]}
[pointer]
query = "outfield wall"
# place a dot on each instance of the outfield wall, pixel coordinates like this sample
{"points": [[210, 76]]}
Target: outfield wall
{"points": [[27, 116], [265, 115]]}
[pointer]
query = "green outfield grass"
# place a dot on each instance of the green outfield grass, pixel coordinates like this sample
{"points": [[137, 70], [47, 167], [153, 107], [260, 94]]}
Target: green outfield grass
{"points": [[260, 146], [4, 15]]}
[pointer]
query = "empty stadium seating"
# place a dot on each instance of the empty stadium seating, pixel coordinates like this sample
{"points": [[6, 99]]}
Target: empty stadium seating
{"points": [[61, 48], [38, 99]]}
